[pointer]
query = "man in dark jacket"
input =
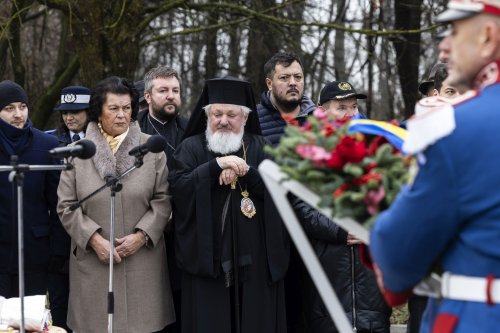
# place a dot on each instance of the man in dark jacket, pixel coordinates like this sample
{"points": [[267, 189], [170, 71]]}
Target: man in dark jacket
{"points": [[354, 284], [43, 232], [285, 98], [162, 92], [285, 95]]}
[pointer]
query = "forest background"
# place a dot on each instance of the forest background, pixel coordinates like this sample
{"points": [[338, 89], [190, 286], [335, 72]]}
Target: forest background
{"points": [[383, 47]]}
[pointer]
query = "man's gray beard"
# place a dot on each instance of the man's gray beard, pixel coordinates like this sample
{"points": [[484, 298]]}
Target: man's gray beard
{"points": [[224, 142]]}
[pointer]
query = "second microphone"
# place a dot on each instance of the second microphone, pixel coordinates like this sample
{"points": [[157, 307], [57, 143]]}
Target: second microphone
{"points": [[154, 144]]}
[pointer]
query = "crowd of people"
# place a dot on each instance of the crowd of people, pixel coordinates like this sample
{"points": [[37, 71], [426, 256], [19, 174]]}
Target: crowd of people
{"points": [[199, 245]]}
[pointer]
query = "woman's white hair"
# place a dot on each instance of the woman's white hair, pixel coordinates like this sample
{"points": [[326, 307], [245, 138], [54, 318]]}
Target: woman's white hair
{"points": [[246, 110]]}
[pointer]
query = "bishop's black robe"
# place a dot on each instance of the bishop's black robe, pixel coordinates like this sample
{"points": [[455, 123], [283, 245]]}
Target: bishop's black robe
{"points": [[204, 246]]}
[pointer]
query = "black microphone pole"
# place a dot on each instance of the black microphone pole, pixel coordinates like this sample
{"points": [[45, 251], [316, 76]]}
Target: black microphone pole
{"points": [[18, 177]]}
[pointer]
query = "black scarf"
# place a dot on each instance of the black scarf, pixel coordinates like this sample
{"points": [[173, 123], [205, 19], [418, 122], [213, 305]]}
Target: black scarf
{"points": [[15, 139]]}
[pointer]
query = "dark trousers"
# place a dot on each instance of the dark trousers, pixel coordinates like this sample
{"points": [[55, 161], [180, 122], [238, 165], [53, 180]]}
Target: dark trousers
{"points": [[34, 284], [58, 286], [416, 308]]}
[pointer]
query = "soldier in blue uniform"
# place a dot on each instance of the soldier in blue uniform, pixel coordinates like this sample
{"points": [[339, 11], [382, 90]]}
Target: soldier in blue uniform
{"points": [[448, 219]]}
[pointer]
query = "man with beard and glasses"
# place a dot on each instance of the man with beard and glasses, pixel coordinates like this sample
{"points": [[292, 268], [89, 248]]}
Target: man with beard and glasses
{"points": [[231, 244], [285, 95], [162, 92]]}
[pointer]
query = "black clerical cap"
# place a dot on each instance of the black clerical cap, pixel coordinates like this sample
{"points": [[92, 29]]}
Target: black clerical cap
{"points": [[226, 90]]}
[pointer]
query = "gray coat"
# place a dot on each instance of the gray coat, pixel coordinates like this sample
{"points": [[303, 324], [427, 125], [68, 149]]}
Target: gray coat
{"points": [[143, 300]]}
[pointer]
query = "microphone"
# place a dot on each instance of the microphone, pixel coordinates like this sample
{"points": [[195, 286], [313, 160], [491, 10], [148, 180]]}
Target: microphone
{"points": [[83, 149], [155, 144]]}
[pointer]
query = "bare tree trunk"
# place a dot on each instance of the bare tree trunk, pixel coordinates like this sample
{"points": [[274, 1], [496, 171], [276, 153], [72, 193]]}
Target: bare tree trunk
{"points": [[234, 51], [211, 68], [371, 53], [407, 14], [18, 67], [339, 48], [263, 42]]}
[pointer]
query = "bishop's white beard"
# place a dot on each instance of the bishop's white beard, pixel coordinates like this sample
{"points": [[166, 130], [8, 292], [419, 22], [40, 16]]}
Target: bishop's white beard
{"points": [[224, 142]]}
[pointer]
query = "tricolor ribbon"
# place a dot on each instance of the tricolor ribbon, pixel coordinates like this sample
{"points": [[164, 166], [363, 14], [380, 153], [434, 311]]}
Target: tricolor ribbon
{"points": [[394, 134]]}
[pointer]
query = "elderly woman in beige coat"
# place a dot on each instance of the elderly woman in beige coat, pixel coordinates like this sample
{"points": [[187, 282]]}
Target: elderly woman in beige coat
{"points": [[143, 300]]}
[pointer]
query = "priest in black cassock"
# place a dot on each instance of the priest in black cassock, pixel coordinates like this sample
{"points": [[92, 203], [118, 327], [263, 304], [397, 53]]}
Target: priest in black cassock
{"points": [[231, 244]]}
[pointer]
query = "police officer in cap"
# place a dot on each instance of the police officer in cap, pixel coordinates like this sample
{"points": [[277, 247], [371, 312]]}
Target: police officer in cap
{"points": [[447, 220], [73, 108]]}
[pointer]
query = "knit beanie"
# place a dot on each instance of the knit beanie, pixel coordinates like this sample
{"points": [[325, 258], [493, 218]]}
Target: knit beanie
{"points": [[11, 92]]}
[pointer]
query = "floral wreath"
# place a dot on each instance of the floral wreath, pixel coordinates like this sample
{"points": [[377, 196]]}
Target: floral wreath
{"points": [[356, 175]]}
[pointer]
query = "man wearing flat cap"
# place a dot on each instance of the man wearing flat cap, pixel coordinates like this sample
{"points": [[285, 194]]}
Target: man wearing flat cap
{"points": [[426, 87], [19, 137], [340, 100], [73, 108], [447, 220], [230, 241]]}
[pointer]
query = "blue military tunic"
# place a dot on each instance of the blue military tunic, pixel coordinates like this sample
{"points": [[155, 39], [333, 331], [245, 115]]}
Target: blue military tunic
{"points": [[450, 215]]}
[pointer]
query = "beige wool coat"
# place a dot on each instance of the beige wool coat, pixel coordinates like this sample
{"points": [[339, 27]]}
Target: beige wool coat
{"points": [[143, 299]]}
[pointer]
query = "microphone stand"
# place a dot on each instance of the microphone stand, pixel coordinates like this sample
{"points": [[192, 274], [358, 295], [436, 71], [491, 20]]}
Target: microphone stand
{"points": [[115, 186], [17, 175]]}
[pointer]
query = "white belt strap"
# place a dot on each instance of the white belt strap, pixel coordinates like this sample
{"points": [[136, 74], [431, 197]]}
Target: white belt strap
{"points": [[469, 288]]}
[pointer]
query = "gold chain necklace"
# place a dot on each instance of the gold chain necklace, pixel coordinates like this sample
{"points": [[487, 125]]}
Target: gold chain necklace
{"points": [[247, 206]]}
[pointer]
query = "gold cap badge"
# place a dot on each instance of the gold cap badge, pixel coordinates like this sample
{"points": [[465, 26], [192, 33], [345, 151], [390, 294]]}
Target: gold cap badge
{"points": [[344, 86]]}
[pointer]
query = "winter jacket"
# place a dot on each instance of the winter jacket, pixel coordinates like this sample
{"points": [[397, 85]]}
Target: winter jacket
{"points": [[271, 122], [44, 236], [356, 289], [142, 296], [354, 284]]}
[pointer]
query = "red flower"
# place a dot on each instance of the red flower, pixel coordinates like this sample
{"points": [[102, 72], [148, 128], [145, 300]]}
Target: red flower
{"points": [[338, 192], [344, 120], [348, 150], [290, 119], [375, 145], [371, 166], [306, 127], [376, 176], [328, 130]]}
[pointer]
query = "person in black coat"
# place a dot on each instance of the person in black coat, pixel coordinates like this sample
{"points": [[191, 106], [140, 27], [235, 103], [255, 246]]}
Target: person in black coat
{"points": [[44, 236], [353, 282], [231, 245], [161, 93]]}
